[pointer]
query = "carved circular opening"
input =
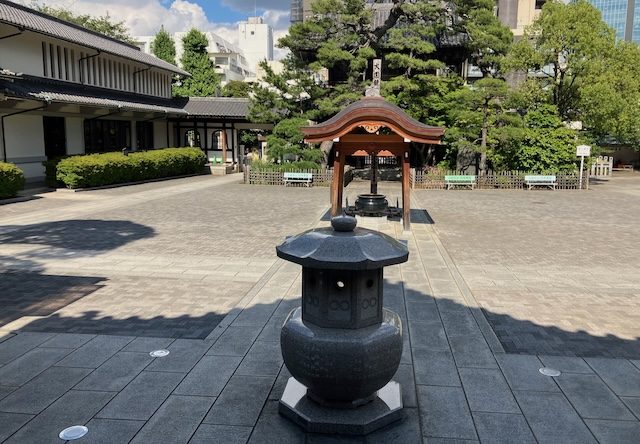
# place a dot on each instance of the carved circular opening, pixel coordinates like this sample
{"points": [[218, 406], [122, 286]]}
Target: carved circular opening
{"points": [[340, 284], [369, 283]]}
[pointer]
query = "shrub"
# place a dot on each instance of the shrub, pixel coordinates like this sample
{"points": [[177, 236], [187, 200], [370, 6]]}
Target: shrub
{"points": [[11, 180], [96, 170]]}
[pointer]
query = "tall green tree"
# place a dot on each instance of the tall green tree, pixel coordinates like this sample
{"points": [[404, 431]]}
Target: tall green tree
{"points": [[236, 88], [559, 47], [610, 95], [103, 24], [204, 81], [164, 47]]}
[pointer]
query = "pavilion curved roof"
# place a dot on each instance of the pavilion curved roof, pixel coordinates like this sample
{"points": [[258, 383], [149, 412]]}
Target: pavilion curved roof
{"points": [[372, 112]]}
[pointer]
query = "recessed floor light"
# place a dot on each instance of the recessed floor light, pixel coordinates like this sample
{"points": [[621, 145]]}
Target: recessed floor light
{"points": [[73, 433], [159, 353], [548, 371]]}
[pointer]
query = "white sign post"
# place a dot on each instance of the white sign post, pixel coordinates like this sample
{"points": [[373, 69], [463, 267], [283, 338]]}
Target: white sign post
{"points": [[582, 151]]}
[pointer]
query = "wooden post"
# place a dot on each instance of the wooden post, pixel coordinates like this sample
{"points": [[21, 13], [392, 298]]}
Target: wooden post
{"points": [[341, 181], [406, 192], [335, 203], [224, 145], [374, 172]]}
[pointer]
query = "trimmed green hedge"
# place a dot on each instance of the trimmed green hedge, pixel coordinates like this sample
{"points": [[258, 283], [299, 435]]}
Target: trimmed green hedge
{"points": [[95, 170], [11, 180]]}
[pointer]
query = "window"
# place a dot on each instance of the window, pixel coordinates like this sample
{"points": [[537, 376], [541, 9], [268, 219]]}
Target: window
{"points": [[144, 135], [106, 135], [192, 138], [45, 63], [539, 4]]}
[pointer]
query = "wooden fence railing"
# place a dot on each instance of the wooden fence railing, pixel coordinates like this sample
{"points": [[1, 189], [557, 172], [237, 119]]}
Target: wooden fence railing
{"points": [[509, 180], [321, 178]]}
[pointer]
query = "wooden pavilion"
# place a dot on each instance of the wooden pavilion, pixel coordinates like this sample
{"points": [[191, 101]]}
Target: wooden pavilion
{"points": [[372, 126]]}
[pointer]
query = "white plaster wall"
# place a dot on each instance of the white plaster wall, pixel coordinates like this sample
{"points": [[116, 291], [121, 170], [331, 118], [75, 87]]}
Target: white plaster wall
{"points": [[160, 134], [24, 136], [22, 53], [33, 172], [75, 135]]}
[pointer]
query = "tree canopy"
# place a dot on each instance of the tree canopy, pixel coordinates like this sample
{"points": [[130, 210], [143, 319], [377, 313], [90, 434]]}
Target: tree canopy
{"points": [[164, 47], [204, 81]]}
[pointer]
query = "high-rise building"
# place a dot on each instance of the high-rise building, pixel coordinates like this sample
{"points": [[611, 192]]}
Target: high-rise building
{"points": [[518, 14], [622, 15], [300, 9], [255, 40]]}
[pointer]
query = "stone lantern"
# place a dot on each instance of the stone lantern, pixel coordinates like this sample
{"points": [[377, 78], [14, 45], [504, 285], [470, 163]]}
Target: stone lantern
{"points": [[342, 347]]}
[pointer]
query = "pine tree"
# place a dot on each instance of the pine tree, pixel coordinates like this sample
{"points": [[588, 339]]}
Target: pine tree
{"points": [[164, 47], [204, 81]]}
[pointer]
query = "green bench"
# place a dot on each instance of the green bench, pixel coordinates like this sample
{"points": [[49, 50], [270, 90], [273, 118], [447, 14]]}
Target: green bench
{"points": [[305, 178], [540, 181], [463, 180]]}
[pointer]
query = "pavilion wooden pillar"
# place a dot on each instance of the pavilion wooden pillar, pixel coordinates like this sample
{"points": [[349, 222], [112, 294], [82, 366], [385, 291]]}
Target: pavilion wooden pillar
{"points": [[337, 184], [406, 191]]}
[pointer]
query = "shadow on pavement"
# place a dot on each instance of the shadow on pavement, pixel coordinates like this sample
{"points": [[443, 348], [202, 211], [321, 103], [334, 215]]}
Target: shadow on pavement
{"points": [[101, 235]]}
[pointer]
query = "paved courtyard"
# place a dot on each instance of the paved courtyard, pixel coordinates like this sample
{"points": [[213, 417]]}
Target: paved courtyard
{"points": [[498, 285]]}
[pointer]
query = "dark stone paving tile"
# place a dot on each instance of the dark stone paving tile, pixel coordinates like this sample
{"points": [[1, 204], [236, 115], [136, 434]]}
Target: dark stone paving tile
{"points": [[422, 311], [10, 423], [460, 323], [209, 376], [523, 373], [42, 390], [615, 432], [472, 351], [263, 359], [241, 401], [147, 345], [20, 344], [255, 316], [68, 340], [141, 398], [449, 441], [316, 438], [185, 353], [175, 421], [444, 413], [235, 341], [116, 373], [221, 434], [633, 404], [4, 391], [404, 376], [95, 352], [428, 335], [487, 391], [404, 432], [281, 383], [435, 368], [274, 428], [111, 431], [74, 408], [500, 428], [566, 364], [552, 419], [29, 365], [592, 398], [619, 374]]}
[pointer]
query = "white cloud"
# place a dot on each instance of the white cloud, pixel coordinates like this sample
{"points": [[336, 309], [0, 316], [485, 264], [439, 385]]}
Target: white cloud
{"points": [[144, 17]]}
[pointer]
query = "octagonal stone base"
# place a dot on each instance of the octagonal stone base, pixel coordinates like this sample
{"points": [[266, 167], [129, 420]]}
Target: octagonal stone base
{"points": [[383, 410]]}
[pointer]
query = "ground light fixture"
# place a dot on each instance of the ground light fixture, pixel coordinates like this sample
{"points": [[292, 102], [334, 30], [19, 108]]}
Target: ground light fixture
{"points": [[159, 353], [74, 432], [548, 371]]}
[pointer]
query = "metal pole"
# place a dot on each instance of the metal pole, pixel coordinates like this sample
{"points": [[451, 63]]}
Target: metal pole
{"points": [[581, 168]]}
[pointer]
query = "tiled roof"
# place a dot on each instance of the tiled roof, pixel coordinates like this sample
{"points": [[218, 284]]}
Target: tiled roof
{"points": [[53, 91], [37, 88], [229, 107], [23, 17]]}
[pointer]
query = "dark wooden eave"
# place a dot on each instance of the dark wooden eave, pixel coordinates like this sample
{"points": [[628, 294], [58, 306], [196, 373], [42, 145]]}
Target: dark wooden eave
{"points": [[372, 112]]}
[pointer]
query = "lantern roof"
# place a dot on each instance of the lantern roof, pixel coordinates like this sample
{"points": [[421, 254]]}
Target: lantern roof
{"points": [[343, 247], [373, 113]]}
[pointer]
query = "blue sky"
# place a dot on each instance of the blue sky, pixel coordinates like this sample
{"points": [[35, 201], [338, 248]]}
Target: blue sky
{"points": [[144, 17]]}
